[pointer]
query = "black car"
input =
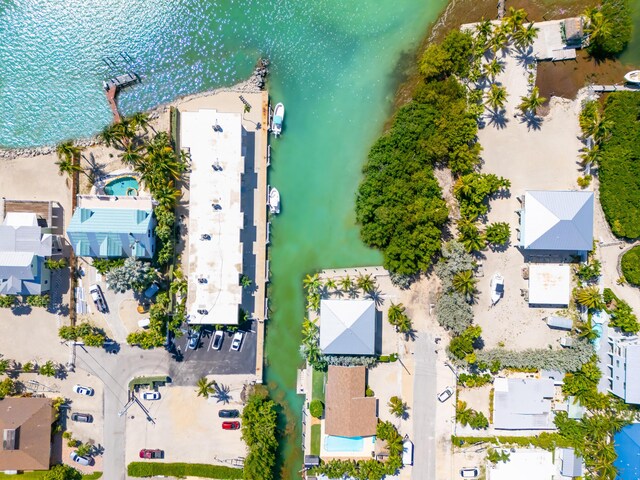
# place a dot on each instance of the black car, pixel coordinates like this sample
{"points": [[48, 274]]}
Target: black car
{"points": [[82, 417], [228, 413]]}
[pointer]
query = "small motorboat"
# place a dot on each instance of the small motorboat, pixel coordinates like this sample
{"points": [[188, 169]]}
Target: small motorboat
{"points": [[278, 119], [497, 288], [633, 77], [274, 200]]}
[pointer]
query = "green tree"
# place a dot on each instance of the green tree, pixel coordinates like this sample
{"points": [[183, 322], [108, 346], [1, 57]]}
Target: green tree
{"points": [[493, 69], [395, 313], [589, 297], [465, 283], [463, 345], [140, 120], [524, 37], [312, 283], [316, 408], [205, 387], [49, 369], [608, 28], [498, 233], [515, 19], [497, 97], [346, 284], [134, 274], [259, 432], [40, 301], [8, 388], [62, 472], [131, 155], [330, 284], [397, 407], [531, 102], [52, 264], [66, 165], [68, 332], [366, 283]]}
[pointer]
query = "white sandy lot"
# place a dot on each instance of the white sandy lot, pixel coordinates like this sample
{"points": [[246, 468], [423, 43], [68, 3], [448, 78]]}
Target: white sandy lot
{"points": [[532, 159]]}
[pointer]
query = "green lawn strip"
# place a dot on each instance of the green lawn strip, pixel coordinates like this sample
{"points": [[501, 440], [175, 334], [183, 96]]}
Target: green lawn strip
{"points": [[315, 439], [40, 475], [150, 469], [149, 381], [317, 390]]}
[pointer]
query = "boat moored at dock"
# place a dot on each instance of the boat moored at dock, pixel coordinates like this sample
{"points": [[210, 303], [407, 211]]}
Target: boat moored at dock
{"points": [[633, 77], [277, 120], [274, 201]]}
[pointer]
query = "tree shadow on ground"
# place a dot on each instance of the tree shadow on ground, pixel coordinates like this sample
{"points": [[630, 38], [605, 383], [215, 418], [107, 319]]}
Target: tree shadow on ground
{"points": [[498, 118], [533, 121]]}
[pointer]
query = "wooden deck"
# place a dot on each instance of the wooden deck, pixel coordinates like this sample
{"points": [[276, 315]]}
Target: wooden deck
{"points": [[113, 85], [614, 88]]}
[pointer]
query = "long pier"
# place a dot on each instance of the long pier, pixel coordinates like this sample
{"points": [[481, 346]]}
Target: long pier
{"points": [[614, 88], [113, 85]]}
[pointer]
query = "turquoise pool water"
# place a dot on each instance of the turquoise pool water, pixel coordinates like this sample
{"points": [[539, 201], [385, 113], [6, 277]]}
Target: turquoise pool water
{"points": [[122, 186], [596, 342], [343, 444], [627, 442]]}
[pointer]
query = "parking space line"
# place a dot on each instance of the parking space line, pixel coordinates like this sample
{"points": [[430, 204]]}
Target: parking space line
{"points": [[210, 343]]}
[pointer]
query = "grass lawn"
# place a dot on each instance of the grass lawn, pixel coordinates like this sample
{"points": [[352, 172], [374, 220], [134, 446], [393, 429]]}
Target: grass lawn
{"points": [[180, 470], [40, 475], [315, 439], [317, 391]]}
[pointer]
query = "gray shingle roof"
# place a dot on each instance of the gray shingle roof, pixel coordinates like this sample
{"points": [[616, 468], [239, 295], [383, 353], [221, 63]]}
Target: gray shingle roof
{"points": [[558, 220], [347, 327]]}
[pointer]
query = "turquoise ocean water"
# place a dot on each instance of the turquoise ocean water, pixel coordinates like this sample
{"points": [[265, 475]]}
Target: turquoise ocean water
{"points": [[335, 65]]}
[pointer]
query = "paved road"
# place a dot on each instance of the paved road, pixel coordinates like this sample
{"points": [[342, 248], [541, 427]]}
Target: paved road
{"points": [[424, 409], [115, 371]]}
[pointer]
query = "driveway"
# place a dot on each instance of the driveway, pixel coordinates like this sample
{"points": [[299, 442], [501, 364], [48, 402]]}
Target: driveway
{"points": [[424, 408], [115, 371]]}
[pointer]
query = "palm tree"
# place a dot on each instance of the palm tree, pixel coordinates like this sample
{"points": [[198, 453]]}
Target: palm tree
{"points": [[205, 387], [484, 28], [591, 156], [404, 325], [366, 283], [472, 240], [493, 68], [48, 369], [598, 26], [499, 40], [112, 135], [345, 284], [589, 297], [330, 284], [131, 156], [586, 331], [532, 102], [497, 97], [312, 283], [516, 19], [395, 313], [465, 283], [140, 120], [66, 165], [525, 36], [68, 150], [166, 195], [397, 407]]}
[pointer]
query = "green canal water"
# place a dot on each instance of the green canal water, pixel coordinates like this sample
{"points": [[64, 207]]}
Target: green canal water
{"points": [[335, 65], [632, 53]]}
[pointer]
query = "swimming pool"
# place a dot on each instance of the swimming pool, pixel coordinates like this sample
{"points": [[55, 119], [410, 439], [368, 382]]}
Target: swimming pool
{"points": [[122, 186], [343, 444], [596, 342], [627, 442]]}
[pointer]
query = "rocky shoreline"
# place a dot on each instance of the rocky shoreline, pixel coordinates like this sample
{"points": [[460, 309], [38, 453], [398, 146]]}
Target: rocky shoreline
{"points": [[255, 83]]}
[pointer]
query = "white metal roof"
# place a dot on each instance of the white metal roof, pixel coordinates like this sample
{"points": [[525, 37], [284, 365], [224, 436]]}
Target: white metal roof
{"points": [[347, 327], [215, 263], [549, 284], [530, 464]]}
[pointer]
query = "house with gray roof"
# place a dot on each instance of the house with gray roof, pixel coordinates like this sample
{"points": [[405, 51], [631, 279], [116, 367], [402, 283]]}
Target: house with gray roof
{"points": [[523, 404], [347, 327], [560, 221], [105, 228], [24, 246], [623, 372]]}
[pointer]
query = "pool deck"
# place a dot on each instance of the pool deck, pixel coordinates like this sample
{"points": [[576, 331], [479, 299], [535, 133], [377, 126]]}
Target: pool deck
{"points": [[115, 201]]}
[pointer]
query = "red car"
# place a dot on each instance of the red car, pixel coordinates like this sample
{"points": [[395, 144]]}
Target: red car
{"points": [[230, 425], [145, 453]]}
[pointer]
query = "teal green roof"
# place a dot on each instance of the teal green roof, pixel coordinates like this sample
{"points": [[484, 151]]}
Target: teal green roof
{"points": [[82, 248], [110, 220]]}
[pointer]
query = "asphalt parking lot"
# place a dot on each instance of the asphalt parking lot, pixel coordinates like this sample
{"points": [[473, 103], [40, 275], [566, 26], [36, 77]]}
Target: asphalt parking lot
{"points": [[207, 361]]}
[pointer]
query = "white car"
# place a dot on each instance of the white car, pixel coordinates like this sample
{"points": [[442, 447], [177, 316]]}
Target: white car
{"points": [[469, 472], [237, 341], [80, 390], [86, 461], [151, 395], [445, 394], [217, 339]]}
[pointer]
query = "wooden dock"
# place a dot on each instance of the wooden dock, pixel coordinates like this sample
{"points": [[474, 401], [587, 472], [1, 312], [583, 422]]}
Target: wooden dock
{"points": [[614, 88], [113, 85]]}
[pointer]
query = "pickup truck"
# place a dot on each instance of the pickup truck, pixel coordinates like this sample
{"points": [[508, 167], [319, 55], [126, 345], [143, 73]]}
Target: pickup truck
{"points": [[98, 298]]}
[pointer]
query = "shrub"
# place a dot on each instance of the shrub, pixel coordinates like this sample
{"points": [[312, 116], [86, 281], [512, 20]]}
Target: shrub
{"points": [[62, 472], [7, 301], [630, 265], [316, 408], [474, 380], [498, 233], [259, 433], [133, 274], [41, 301], [609, 27], [453, 312], [624, 318], [368, 392], [103, 265], [181, 470], [463, 345], [584, 182]]}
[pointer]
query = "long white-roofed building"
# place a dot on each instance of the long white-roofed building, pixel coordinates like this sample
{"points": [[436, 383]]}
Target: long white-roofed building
{"points": [[214, 140]]}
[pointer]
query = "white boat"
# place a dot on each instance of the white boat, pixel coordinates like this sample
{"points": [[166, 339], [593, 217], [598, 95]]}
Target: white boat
{"points": [[633, 77], [278, 118], [497, 288], [274, 200]]}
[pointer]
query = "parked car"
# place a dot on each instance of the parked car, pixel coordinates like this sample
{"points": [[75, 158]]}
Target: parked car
{"points": [[144, 323], [469, 472], [86, 461], [80, 390], [445, 394], [237, 341], [230, 425], [218, 336], [98, 298], [82, 417], [194, 340], [228, 413], [151, 396], [147, 453], [152, 290]]}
